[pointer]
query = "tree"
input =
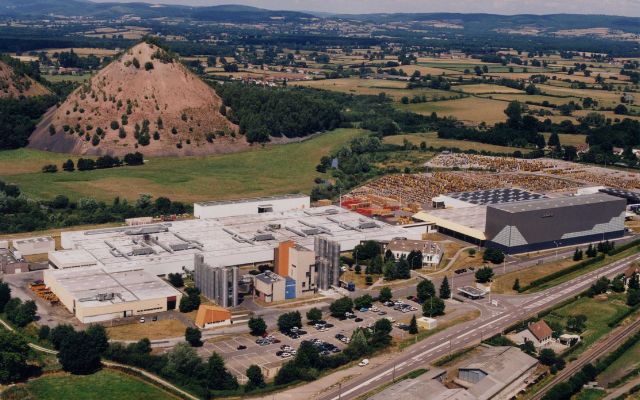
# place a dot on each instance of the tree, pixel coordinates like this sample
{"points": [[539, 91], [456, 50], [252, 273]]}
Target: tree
{"points": [[617, 285], [381, 333], [340, 307], [415, 259], [256, 379], [13, 357], [363, 301], [21, 314], [314, 315], [193, 336], [43, 332], [98, 337], [484, 274], [433, 307], [366, 250], [5, 295], [176, 280], [257, 326], [413, 325], [554, 140], [577, 255], [445, 290], [492, 255], [59, 334], [577, 323], [516, 285], [425, 289], [528, 347], [148, 66], [633, 297], [385, 294], [547, 357], [78, 354], [289, 320], [68, 166]]}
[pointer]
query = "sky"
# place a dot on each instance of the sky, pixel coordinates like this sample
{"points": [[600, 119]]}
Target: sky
{"points": [[610, 7]]}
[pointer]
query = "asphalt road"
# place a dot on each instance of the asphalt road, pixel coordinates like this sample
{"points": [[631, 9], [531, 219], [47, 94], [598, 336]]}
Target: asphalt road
{"points": [[510, 311]]}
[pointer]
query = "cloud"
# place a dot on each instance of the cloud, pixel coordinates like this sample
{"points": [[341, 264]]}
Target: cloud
{"points": [[610, 7]]}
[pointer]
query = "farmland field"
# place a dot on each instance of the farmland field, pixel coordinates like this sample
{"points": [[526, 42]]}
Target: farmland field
{"points": [[274, 169], [432, 139], [103, 385], [471, 109], [395, 89]]}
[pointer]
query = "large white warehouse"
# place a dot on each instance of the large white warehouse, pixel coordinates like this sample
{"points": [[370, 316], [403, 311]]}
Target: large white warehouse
{"points": [[228, 241], [260, 205]]}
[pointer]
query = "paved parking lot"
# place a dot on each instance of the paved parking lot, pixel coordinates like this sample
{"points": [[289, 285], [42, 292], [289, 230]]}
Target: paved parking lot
{"points": [[239, 360]]}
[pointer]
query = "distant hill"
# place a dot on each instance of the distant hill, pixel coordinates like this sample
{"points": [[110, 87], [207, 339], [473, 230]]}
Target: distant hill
{"points": [[222, 13], [483, 22], [143, 100], [16, 84]]}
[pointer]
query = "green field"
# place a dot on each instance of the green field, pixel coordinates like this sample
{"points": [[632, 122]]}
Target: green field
{"points": [[626, 363], [70, 78], [260, 171], [599, 313], [103, 385], [432, 139]]}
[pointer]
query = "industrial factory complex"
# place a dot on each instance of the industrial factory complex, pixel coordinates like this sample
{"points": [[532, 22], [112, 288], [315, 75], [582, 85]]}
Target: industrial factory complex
{"points": [[282, 248], [107, 273]]}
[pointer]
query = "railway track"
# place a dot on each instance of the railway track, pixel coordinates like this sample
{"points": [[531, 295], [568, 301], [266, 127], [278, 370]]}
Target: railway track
{"points": [[609, 344]]}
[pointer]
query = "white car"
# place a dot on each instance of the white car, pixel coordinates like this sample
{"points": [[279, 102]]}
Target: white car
{"points": [[364, 363], [142, 320]]}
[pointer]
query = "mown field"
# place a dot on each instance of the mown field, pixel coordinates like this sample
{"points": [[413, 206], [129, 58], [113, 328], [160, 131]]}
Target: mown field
{"points": [[262, 171], [103, 385], [432, 139], [394, 89], [471, 109]]}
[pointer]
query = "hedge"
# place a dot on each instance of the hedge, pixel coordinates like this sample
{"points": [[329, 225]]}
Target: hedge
{"points": [[624, 247], [561, 273]]}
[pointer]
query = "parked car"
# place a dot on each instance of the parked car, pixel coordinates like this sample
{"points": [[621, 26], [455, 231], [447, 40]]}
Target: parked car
{"points": [[382, 313], [141, 320], [364, 309], [358, 320], [364, 363], [241, 347], [154, 318]]}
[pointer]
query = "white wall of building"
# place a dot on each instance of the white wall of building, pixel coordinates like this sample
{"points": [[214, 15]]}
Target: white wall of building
{"points": [[250, 206]]}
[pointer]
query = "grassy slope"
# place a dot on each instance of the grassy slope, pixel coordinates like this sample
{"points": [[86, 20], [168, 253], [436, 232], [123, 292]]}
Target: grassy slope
{"points": [[103, 385], [257, 172]]}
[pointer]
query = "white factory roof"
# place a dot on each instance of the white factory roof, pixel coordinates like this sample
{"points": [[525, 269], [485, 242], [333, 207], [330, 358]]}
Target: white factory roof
{"points": [[128, 285], [234, 240], [470, 221], [33, 240], [252, 200], [69, 258]]}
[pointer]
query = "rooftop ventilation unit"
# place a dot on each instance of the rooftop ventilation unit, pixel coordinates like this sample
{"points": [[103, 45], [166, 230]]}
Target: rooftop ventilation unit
{"points": [[368, 225], [262, 237], [147, 230], [311, 231], [142, 251], [179, 246]]}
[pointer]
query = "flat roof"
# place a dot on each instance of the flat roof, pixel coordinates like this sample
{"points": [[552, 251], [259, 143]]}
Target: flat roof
{"points": [[75, 257], [469, 221], [623, 193], [127, 285], [34, 240], [227, 241], [252, 199], [426, 247], [546, 204]]}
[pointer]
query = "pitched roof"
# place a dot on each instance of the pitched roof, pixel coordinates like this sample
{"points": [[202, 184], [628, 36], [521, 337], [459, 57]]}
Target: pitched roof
{"points": [[208, 314], [540, 330]]}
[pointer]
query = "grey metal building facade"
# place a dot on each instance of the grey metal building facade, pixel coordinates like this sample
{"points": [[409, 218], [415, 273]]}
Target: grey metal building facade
{"points": [[557, 222], [327, 262], [219, 284]]}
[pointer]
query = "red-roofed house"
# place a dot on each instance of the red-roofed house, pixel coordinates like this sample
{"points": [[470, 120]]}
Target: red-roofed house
{"points": [[538, 332]]}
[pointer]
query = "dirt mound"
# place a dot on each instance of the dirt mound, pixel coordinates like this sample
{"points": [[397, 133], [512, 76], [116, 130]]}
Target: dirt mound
{"points": [[143, 101], [13, 84]]}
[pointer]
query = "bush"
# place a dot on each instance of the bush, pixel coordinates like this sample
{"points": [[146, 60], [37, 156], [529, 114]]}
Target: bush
{"points": [[484, 274], [340, 307], [176, 280], [289, 320], [50, 168], [148, 66]]}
